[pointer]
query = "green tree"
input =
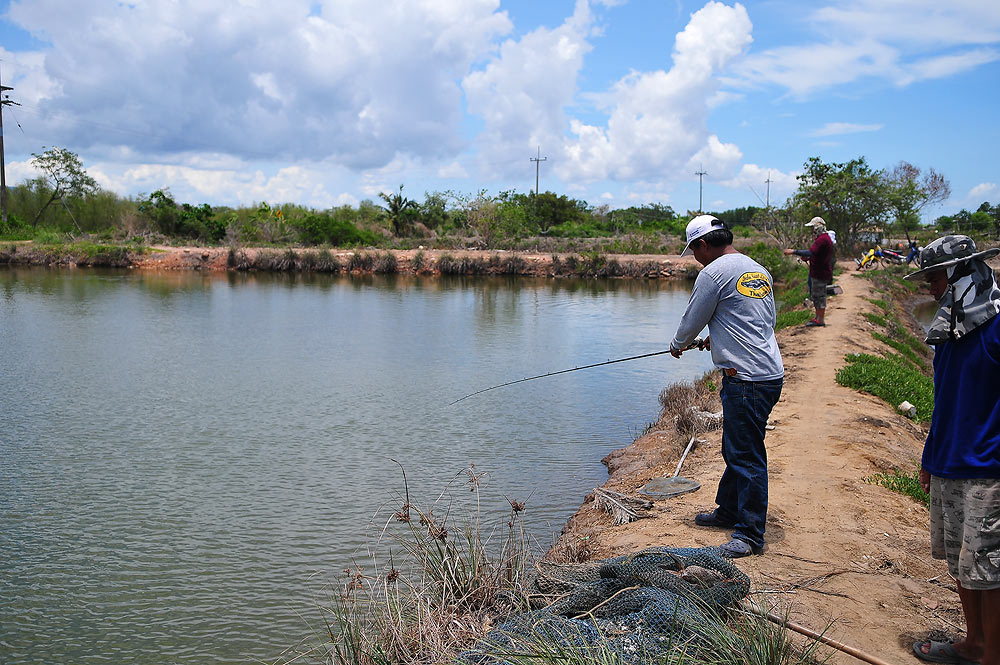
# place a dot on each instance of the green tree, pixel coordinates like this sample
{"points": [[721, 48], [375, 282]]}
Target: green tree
{"points": [[433, 212], [64, 175], [183, 220], [398, 207], [850, 196], [549, 209], [908, 193]]}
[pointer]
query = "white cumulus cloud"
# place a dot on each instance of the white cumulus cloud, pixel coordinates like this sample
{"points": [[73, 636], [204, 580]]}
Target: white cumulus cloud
{"points": [[658, 120]]}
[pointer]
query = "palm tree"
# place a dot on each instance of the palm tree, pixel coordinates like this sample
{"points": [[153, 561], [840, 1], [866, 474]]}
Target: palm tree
{"points": [[396, 206]]}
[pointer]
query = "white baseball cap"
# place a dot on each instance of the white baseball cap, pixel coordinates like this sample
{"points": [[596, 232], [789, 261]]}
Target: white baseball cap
{"points": [[698, 227], [816, 221]]}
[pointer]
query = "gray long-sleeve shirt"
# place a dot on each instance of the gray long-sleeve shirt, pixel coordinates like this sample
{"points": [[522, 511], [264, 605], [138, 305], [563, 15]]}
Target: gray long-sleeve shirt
{"points": [[733, 296]]}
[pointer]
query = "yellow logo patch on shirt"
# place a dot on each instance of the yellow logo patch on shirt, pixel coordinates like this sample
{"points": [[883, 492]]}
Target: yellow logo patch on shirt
{"points": [[754, 284]]}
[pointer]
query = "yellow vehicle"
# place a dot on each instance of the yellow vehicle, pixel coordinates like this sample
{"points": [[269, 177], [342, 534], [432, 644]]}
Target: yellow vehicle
{"points": [[872, 259]]}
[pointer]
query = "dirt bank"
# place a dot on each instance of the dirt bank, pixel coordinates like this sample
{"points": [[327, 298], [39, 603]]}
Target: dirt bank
{"points": [[839, 549], [525, 263]]}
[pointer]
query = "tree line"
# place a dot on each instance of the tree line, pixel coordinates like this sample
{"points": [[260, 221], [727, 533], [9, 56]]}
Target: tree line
{"points": [[856, 200]]}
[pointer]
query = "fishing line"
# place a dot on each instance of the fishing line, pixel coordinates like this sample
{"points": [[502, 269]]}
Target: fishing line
{"points": [[698, 343]]}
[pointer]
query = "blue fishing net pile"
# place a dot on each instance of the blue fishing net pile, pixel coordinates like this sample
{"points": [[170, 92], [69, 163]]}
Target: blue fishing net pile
{"points": [[637, 606]]}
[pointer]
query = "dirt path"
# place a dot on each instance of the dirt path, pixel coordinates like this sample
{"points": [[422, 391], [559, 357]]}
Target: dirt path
{"points": [[839, 549]]}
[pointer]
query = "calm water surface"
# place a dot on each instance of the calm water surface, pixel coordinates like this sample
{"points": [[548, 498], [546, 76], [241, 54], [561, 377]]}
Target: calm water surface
{"points": [[188, 461]]}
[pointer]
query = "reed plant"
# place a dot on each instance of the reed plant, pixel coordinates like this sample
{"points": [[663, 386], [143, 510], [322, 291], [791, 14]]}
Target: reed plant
{"points": [[360, 262], [385, 263], [419, 262], [326, 262], [441, 596]]}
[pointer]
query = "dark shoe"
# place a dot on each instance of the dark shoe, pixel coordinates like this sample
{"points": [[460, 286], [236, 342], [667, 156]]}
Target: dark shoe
{"points": [[712, 519], [814, 323], [737, 548], [940, 652]]}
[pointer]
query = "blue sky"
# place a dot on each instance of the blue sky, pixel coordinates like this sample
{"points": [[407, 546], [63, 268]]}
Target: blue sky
{"points": [[331, 102]]}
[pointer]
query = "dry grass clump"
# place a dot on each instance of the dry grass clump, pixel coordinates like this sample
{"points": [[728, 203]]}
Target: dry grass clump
{"points": [[433, 590], [465, 265], [385, 263], [360, 262], [326, 262], [677, 400]]}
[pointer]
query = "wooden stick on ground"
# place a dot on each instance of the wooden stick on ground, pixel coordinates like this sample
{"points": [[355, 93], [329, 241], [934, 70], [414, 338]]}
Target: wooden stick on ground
{"points": [[840, 646]]}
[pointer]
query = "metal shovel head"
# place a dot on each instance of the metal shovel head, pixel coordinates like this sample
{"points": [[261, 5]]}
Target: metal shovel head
{"points": [[663, 488]]}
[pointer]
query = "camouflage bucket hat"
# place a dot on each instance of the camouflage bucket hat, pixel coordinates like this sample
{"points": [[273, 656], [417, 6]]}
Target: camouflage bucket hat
{"points": [[948, 251]]}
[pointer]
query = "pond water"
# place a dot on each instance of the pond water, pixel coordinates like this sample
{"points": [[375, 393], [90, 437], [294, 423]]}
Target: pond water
{"points": [[188, 461], [924, 312]]}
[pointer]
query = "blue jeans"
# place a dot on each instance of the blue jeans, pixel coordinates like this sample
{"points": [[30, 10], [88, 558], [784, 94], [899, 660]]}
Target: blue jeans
{"points": [[742, 495]]}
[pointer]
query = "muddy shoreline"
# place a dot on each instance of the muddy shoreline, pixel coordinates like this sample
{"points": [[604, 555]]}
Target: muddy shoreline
{"points": [[357, 261]]}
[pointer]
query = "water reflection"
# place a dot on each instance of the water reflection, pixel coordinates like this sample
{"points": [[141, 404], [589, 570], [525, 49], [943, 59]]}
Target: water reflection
{"points": [[924, 312], [186, 458]]}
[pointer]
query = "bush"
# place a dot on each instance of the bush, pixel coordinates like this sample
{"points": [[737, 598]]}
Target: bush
{"points": [[320, 228]]}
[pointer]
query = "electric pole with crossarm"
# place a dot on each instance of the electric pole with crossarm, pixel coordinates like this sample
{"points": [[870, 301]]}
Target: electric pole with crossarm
{"points": [[5, 101], [700, 174], [537, 159]]}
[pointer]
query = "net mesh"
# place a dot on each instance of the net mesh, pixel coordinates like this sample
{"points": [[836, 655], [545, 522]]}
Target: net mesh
{"points": [[636, 606]]}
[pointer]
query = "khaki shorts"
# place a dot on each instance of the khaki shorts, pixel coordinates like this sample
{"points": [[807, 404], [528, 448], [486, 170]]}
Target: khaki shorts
{"points": [[965, 529], [817, 293]]}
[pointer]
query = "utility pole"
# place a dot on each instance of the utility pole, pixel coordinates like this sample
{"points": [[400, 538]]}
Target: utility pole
{"points": [[536, 159], [5, 101], [700, 174], [767, 204]]}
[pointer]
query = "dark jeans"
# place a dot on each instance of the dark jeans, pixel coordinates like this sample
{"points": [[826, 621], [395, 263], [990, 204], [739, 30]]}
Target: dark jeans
{"points": [[742, 495]]}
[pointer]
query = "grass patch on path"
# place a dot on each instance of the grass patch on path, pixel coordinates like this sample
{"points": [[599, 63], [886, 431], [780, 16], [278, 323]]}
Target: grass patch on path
{"points": [[908, 484], [892, 378]]}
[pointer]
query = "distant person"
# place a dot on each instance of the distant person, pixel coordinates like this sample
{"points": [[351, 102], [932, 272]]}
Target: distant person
{"points": [[733, 296], [960, 467], [820, 259]]}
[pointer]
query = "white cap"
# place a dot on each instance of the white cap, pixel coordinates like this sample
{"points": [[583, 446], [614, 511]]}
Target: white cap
{"points": [[698, 227], [816, 221]]}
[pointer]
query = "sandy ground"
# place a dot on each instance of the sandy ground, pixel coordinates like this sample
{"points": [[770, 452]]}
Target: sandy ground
{"points": [[844, 555]]}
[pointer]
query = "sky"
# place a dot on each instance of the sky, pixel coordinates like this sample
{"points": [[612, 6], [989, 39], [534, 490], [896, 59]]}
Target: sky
{"points": [[622, 102]]}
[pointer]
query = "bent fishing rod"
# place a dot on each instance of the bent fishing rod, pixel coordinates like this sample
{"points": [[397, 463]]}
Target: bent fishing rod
{"points": [[698, 343]]}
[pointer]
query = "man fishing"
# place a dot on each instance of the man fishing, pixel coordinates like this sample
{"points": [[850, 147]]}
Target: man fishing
{"points": [[733, 296]]}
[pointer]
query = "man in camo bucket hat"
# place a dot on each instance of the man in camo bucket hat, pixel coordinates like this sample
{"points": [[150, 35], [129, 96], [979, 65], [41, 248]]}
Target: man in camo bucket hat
{"points": [[960, 467]]}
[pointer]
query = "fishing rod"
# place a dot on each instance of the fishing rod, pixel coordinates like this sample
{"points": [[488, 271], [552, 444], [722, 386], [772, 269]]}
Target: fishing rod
{"points": [[698, 343]]}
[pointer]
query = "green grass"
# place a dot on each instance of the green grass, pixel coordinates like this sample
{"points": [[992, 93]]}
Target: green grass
{"points": [[795, 317], [908, 484], [905, 349], [892, 378], [876, 319], [881, 304]]}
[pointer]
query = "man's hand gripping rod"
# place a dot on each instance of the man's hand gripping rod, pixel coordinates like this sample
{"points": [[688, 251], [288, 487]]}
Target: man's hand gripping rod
{"points": [[698, 343]]}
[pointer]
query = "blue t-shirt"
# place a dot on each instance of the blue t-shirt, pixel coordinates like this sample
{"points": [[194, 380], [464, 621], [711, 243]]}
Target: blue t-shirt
{"points": [[964, 441]]}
